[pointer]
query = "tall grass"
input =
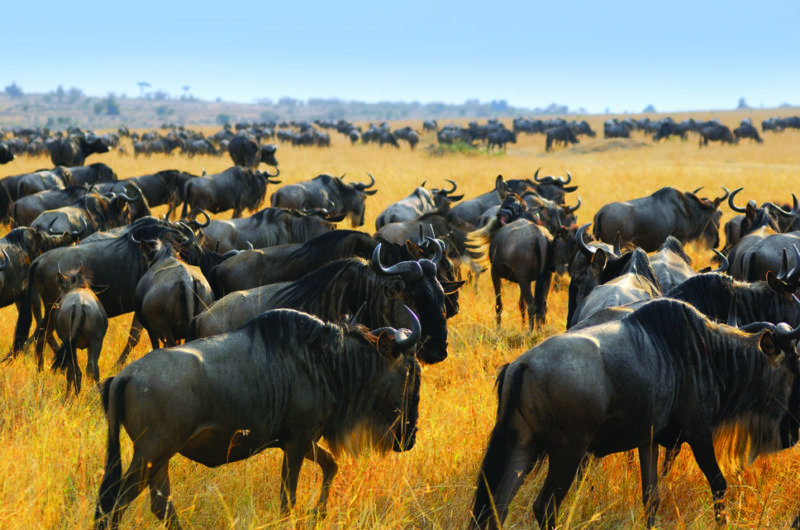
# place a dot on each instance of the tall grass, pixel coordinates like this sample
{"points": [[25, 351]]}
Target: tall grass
{"points": [[53, 446]]}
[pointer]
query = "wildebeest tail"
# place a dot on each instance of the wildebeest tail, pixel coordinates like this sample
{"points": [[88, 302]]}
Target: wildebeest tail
{"points": [[66, 354], [191, 303], [187, 189], [495, 461], [479, 241], [110, 486], [25, 316]]}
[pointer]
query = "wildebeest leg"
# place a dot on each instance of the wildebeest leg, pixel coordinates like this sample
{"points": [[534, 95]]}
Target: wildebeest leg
{"points": [[93, 358], [498, 302], [539, 304], [290, 470], [707, 461], [526, 299], [132, 484], [160, 503], [648, 461], [561, 473], [329, 468], [133, 339]]}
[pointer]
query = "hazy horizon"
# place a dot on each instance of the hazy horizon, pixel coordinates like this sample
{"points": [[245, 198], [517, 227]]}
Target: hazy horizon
{"points": [[682, 57]]}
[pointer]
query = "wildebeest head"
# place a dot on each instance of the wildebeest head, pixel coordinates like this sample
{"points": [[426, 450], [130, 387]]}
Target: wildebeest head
{"points": [[443, 199], [268, 154], [585, 268], [768, 214], [706, 216], [553, 188], [415, 284]]}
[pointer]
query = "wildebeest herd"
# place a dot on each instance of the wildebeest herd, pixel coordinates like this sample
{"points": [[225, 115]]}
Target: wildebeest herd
{"points": [[281, 330]]}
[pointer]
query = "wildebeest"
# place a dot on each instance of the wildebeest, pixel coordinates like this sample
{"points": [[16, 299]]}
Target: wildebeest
{"points": [[760, 252], [164, 187], [663, 375], [72, 151], [419, 202], [470, 211], [746, 130], [92, 213], [500, 138], [43, 179], [169, 295], [671, 264], [324, 190], [768, 216], [267, 228], [237, 188], [340, 288], [115, 266], [285, 379], [26, 209], [521, 252], [716, 133], [647, 221], [613, 129], [81, 323], [246, 151], [560, 135], [6, 155]]}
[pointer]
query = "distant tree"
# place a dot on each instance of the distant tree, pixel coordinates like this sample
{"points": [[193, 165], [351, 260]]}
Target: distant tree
{"points": [[223, 119], [74, 95], [649, 108], [142, 86], [13, 90], [107, 106], [164, 110], [60, 93], [742, 104]]}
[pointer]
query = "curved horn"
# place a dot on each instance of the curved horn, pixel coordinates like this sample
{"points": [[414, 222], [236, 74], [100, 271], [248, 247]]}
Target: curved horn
{"points": [[698, 189], [410, 270], [536, 176], [271, 176], [438, 253], [205, 214], [784, 213], [421, 239], [725, 195], [784, 332], [82, 231], [732, 206], [363, 186], [582, 246], [6, 261], [447, 192], [128, 197], [565, 182], [723, 261], [412, 338], [571, 209]]}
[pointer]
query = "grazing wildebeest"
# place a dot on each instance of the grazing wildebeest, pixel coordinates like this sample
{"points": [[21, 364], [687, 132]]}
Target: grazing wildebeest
{"points": [[164, 187], [637, 383], [716, 133], [285, 379], [747, 130], [500, 138], [72, 151], [560, 135], [6, 155], [81, 323], [246, 151], [340, 288], [613, 129], [267, 228], [169, 295], [647, 221], [324, 190], [419, 202], [237, 188]]}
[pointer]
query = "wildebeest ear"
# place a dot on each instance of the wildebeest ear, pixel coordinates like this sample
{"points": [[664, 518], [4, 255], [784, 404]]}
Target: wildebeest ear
{"points": [[750, 209], [768, 345], [500, 187], [776, 284], [386, 346], [599, 259], [451, 287]]}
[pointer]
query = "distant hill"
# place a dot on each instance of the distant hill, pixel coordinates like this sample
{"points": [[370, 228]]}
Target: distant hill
{"points": [[61, 109]]}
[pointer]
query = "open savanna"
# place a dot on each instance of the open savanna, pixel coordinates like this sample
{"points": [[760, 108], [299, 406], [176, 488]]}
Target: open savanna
{"points": [[53, 445]]}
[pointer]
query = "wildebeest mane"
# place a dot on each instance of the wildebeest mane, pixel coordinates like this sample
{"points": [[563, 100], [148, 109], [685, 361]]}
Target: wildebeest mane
{"points": [[331, 246], [675, 246], [334, 358]]}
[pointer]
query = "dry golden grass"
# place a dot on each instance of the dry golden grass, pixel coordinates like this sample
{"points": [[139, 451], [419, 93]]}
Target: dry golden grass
{"points": [[53, 447]]}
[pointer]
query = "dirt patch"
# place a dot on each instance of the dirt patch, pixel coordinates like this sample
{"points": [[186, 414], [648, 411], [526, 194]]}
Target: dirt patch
{"points": [[602, 145]]}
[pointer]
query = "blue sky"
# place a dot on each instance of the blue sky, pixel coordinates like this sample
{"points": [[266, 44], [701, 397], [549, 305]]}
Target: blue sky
{"points": [[622, 55]]}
